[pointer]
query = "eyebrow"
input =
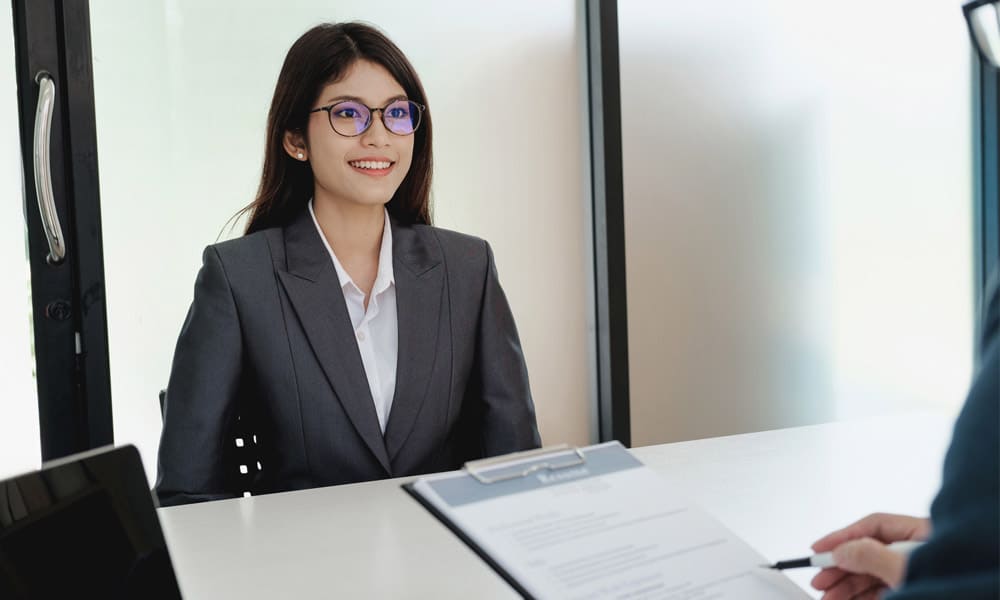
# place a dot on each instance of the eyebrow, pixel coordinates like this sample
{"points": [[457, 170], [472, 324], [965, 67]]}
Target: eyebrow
{"points": [[336, 99]]}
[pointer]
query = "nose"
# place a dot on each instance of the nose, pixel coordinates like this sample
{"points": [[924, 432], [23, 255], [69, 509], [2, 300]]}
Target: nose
{"points": [[377, 135]]}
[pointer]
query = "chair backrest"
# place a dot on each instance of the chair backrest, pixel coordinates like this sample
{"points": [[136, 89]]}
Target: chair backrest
{"points": [[243, 458], [246, 455]]}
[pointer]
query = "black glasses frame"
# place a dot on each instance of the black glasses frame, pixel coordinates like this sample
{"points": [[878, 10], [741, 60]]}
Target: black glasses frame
{"points": [[371, 113]]}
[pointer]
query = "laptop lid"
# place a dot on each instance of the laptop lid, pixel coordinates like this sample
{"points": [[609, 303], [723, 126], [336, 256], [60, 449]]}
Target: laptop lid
{"points": [[84, 526]]}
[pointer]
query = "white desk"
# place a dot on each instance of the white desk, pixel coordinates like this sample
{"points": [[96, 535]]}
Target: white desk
{"points": [[779, 490]]}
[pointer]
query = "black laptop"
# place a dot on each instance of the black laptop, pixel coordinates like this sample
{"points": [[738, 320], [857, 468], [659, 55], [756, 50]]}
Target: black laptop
{"points": [[84, 526]]}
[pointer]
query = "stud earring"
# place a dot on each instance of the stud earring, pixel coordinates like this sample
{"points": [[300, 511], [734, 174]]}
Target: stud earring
{"points": [[300, 155]]}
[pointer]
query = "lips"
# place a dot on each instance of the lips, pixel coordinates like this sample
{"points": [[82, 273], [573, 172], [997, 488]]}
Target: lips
{"points": [[372, 166]]}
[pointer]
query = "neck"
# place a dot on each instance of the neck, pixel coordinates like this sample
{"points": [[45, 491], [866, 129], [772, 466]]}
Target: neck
{"points": [[353, 231]]}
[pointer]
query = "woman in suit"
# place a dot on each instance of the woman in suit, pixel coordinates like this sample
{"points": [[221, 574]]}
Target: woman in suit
{"points": [[357, 340]]}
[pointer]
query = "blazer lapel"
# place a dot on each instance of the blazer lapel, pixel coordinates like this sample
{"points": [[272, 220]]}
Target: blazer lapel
{"points": [[312, 285], [419, 277]]}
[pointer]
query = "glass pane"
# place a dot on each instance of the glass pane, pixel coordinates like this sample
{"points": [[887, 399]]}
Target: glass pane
{"points": [[797, 212], [182, 90], [20, 446]]}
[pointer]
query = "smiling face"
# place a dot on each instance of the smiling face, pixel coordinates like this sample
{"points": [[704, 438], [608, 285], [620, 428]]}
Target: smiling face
{"points": [[364, 170]]}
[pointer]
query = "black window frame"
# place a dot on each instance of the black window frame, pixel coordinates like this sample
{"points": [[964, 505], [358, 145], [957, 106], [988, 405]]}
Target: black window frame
{"points": [[608, 226], [69, 314]]}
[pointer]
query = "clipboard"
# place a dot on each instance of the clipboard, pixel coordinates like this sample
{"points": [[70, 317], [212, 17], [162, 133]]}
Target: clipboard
{"points": [[593, 522], [512, 466]]}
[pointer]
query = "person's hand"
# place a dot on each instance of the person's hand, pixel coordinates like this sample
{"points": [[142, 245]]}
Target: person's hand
{"points": [[865, 567]]}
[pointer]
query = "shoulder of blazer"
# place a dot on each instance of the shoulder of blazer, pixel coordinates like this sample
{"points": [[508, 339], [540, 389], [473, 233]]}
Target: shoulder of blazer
{"points": [[460, 250], [246, 257]]}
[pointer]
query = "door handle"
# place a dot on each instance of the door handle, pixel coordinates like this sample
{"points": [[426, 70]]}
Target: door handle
{"points": [[43, 168]]}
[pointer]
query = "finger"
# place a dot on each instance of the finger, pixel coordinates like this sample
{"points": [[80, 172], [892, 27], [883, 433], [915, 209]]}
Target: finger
{"points": [[861, 528], [870, 557], [882, 526], [864, 527], [827, 578], [892, 528], [850, 586]]}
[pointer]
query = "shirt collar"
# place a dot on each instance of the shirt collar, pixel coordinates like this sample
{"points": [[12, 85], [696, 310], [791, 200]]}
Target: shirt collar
{"points": [[385, 275]]}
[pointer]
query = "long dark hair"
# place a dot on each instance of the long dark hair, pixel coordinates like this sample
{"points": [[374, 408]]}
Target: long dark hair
{"points": [[320, 57]]}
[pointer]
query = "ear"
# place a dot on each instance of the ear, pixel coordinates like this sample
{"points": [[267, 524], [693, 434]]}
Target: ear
{"points": [[295, 145]]}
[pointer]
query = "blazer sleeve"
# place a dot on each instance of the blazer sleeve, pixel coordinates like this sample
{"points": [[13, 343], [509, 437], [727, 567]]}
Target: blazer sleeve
{"points": [[961, 559], [508, 411], [200, 404]]}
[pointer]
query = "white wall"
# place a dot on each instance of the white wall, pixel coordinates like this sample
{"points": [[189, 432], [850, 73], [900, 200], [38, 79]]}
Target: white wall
{"points": [[20, 448], [182, 90], [797, 198]]}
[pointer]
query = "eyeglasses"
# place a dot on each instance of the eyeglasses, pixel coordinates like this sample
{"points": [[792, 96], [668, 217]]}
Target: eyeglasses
{"points": [[350, 118]]}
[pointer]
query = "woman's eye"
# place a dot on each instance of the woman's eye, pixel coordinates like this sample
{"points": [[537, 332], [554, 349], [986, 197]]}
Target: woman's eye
{"points": [[398, 113], [346, 113]]}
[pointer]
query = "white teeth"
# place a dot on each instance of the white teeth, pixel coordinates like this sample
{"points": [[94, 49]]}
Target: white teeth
{"points": [[370, 164]]}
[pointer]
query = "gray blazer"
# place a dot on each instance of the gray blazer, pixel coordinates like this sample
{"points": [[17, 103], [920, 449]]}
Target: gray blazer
{"points": [[268, 338]]}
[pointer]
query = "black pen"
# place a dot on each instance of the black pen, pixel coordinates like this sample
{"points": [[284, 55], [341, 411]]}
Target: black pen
{"points": [[825, 559]]}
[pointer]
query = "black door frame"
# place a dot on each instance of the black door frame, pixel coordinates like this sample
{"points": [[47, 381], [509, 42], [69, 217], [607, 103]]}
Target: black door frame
{"points": [[985, 163], [986, 171], [68, 300], [608, 213]]}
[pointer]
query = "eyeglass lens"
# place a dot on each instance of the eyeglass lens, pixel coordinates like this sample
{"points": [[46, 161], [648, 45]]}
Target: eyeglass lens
{"points": [[353, 118]]}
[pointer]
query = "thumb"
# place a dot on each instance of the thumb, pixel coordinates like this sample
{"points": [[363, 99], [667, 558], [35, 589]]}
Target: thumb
{"points": [[871, 557]]}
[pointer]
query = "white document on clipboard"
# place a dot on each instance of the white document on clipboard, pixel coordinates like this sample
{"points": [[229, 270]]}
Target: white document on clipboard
{"points": [[589, 523]]}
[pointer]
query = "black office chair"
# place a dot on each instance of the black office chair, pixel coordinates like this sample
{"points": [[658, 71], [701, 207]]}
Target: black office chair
{"points": [[243, 460]]}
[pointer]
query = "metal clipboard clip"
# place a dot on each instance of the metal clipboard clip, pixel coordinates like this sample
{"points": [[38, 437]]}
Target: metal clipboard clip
{"points": [[514, 470]]}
